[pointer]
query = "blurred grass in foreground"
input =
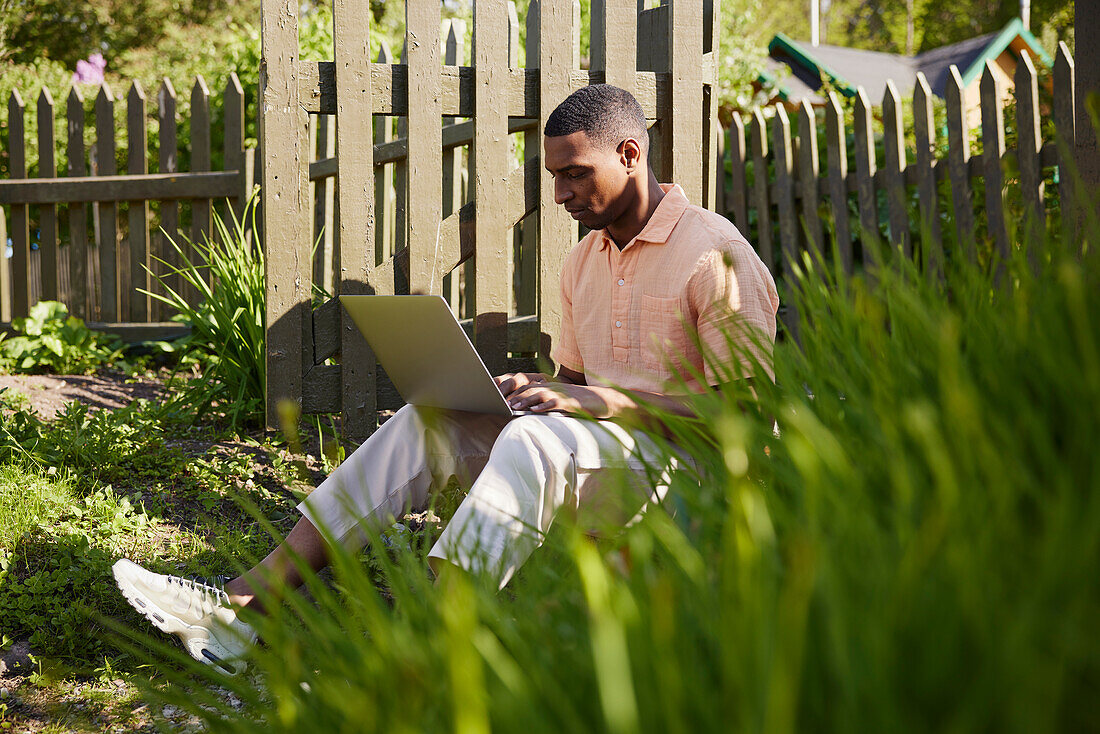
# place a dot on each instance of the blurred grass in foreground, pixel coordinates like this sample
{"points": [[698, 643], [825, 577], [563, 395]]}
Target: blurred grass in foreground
{"points": [[919, 550]]}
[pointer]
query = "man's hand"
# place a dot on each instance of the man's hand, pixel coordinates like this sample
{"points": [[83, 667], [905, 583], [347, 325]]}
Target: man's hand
{"points": [[543, 397], [513, 381]]}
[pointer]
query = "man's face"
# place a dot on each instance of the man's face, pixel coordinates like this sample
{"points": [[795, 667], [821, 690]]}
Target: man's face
{"points": [[590, 181]]}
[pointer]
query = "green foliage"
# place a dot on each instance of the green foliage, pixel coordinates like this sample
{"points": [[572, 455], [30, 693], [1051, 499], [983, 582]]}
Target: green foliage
{"points": [[917, 549], [53, 341], [227, 322]]}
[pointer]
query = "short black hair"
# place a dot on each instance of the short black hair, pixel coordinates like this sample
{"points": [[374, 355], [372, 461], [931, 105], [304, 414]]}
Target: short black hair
{"points": [[608, 116]]}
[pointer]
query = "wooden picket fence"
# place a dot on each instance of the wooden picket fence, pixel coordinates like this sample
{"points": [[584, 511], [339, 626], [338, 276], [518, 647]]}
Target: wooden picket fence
{"points": [[804, 205], [662, 54], [100, 277]]}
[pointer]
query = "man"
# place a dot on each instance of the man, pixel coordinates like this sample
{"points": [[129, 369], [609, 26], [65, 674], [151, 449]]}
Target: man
{"points": [[655, 284]]}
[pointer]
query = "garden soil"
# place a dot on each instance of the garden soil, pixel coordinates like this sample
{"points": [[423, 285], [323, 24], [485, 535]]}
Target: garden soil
{"points": [[49, 394]]}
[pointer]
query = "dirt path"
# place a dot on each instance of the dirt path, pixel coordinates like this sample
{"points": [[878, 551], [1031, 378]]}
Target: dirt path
{"points": [[49, 394]]}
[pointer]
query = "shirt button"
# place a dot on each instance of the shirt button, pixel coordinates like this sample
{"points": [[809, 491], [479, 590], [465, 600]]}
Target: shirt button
{"points": [[618, 323], [622, 282]]}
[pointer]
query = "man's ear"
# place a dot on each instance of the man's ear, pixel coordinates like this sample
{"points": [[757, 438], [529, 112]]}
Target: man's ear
{"points": [[631, 155]]}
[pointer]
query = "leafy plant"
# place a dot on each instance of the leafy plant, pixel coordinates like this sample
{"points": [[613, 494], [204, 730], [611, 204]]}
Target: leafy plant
{"points": [[53, 341], [227, 323]]}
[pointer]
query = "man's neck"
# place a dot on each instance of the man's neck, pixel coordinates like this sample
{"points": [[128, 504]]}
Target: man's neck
{"points": [[635, 218]]}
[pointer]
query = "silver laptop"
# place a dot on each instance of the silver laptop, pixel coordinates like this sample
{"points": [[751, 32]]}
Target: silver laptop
{"points": [[426, 353]]}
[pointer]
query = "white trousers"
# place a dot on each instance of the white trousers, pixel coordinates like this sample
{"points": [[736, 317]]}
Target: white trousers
{"points": [[523, 470]]}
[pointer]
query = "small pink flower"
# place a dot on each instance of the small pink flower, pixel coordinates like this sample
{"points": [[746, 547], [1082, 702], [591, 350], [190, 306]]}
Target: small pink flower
{"points": [[90, 71]]}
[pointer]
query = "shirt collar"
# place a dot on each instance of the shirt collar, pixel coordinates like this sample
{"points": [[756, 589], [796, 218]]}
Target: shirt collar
{"points": [[657, 230]]}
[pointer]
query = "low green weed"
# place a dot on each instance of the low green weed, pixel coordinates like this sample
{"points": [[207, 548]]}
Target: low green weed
{"points": [[50, 340]]}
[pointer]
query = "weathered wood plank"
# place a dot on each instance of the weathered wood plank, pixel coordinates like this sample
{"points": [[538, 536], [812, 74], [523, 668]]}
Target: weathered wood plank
{"points": [[958, 161], [1029, 145], [924, 126], [422, 23], [685, 111], [551, 48], [614, 45], [107, 242], [784, 183], [5, 272], [233, 137], [739, 189], [383, 180], [117, 188], [865, 182], [401, 172], [1066, 132], [20, 221], [135, 274], [808, 167], [47, 213], [286, 230], [201, 221], [993, 149], [713, 184], [78, 217], [894, 166], [168, 161], [760, 187], [358, 272], [453, 162], [491, 155], [837, 149], [323, 198]]}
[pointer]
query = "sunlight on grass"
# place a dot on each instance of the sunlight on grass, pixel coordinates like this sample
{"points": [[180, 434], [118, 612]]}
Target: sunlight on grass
{"points": [[29, 499]]}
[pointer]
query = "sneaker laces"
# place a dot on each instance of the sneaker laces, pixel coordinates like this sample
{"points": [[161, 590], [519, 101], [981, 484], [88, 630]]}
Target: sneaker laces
{"points": [[211, 591]]}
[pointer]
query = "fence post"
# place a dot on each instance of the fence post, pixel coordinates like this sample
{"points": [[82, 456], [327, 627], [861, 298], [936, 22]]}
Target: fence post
{"points": [[807, 177], [685, 81], [285, 240], [47, 213], [784, 193], [20, 221], [760, 187], [993, 150], [201, 224], [837, 148], [894, 150], [354, 142], [958, 160], [1029, 144], [552, 48], [107, 243], [383, 181], [169, 210], [739, 189], [233, 144], [1065, 130], [1086, 20], [491, 156], [5, 275], [865, 180], [924, 125], [135, 269], [452, 159], [78, 214]]}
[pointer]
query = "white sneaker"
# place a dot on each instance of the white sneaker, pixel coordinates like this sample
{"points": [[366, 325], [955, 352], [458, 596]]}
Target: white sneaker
{"points": [[199, 614]]}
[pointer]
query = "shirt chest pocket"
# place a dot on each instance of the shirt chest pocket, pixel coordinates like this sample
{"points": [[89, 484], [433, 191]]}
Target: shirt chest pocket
{"points": [[664, 338]]}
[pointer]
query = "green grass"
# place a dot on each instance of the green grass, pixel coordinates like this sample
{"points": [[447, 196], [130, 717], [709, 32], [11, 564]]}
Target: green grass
{"points": [[917, 550], [27, 499]]}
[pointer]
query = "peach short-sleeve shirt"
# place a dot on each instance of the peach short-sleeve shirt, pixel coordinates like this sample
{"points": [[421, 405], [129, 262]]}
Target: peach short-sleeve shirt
{"points": [[643, 317]]}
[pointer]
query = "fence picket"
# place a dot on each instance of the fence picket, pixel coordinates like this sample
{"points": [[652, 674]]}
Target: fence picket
{"points": [[452, 158], [924, 126], [358, 268], [491, 155], [425, 142], [894, 150], [401, 175], [383, 180], [958, 162], [233, 139], [712, 127], [1066, 138], [993, 150], [808, 166], [78, 214], [614, 45], [739, 190], [324, 146], [865, 179], [201, 222], [1029, 144], [551, 47], [47, 213], [134, 269], [5, 272], [685, 81], [784, 188], [837, 148], [527, 263], [169, 210], [760, 187], [20, 219], [106, 252]]}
